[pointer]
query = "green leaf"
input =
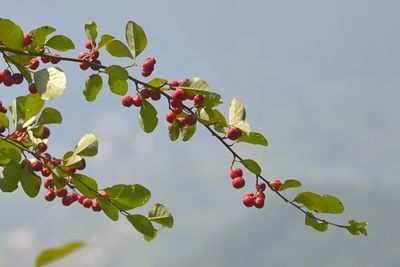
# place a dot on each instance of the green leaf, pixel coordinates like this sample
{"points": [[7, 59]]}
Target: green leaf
{"points": [[196, 86], [104, 40], [291, 183], [156, 83], [9, 152], [117, 86], [93, 85], [253, 138], [72, 159], [356, 228], [25, 107], [173, 131], [50, 83], [61, 43], [87, 146], [30, 182], [252, 166], [9, 178], [148, 117], [237, 116], [187, 132], [91, 31], [4, 121], [118, 49], [53, 254], [335, 206], [86, 185], [40, 34], [237, 112], [110, 210], [212, 100], [211, 117], [142, 225], [314, 223], [117, 72], [160, 214], [135, 38], [312, 201], [11, 35], [49, 116], [128, 197]]}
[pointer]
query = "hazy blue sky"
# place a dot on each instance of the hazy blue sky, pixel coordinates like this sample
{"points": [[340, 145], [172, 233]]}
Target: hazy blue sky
{"points": [[319, 78]]}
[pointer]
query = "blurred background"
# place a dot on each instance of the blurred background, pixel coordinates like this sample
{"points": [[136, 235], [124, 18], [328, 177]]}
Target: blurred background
{"points": [[320, 79]]}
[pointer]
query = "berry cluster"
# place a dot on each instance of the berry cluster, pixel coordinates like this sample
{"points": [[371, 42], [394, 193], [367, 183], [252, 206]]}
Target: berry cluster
{"points": [[258, 199], [90, 57], [9, 79], [69, 197], [237, 178], [148, 66]]}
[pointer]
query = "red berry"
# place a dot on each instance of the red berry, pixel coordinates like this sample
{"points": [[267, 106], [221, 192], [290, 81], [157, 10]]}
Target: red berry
{"points": [[181, 122], [50, 195], [238, 182], [236, 172], [82, 55], [48, 183], [261, 187], [67, 200], [178, 95], [96, 206], [148, 64], [126, 101], [32, 88], [137, 100], [198, 101], [234, 133], [70, 170], [190, 97], [175, 103], [275, 184], [248, 200], [33, 63], [170, 117], [55, 58], [36, 165], [46, 171], [87, 203], [45, 133], [97, 66], [173, 85], [88, 45], [42, 147], [28, 38], [191, 119], [177, 110], [260, 195], [4, 73], [83, 65], [8, 81], [145, 94], [94, 55], [18, 78], [73, 195], [83, 165], [81, 198], [61, 192], [155, 95], [146, 73], [259, 202], [45, 59]]}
